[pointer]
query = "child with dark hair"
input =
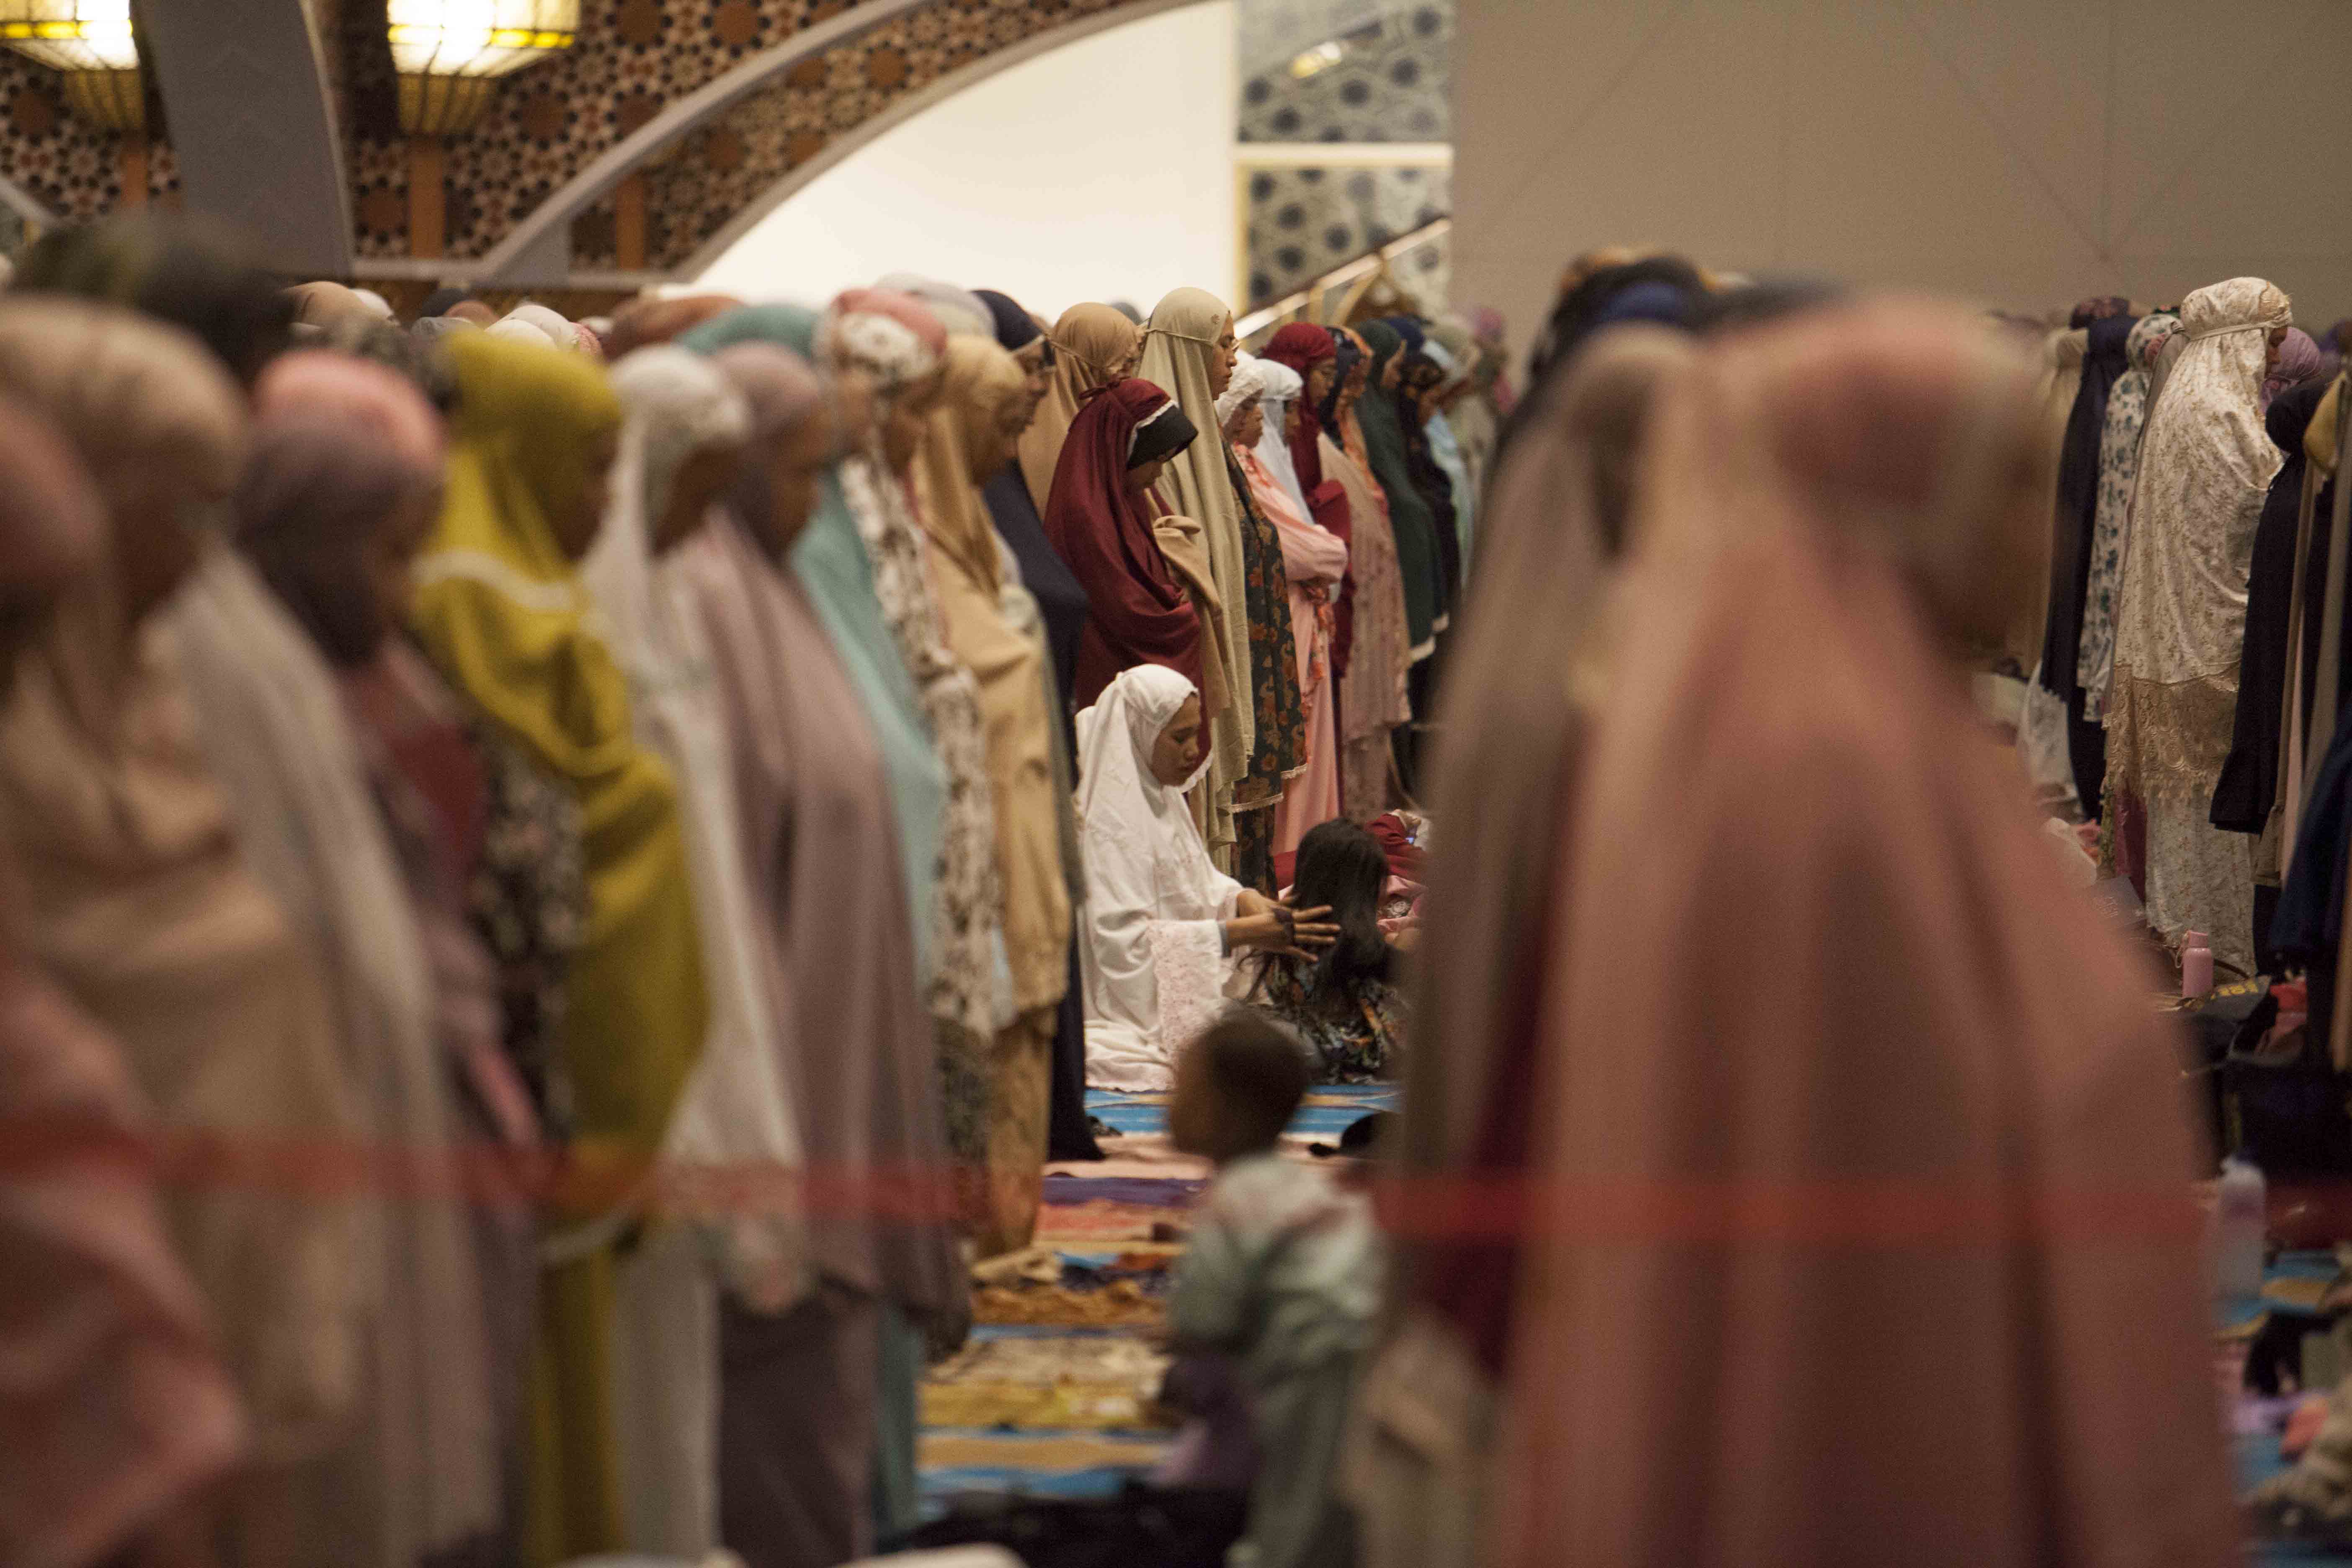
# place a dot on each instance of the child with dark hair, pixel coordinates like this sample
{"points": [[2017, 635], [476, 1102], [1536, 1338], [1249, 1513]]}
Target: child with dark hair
{"points": [[1283, 1274], [1344, 1002]]}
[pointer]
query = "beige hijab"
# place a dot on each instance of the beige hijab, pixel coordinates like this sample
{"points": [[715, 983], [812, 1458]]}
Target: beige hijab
{"points": [[422, 1470], [2061, 381], [1858, 1126], [1091, 343], [1199, 485], [115, 1407], [2206, 467], [138, 901], [981, 381]]}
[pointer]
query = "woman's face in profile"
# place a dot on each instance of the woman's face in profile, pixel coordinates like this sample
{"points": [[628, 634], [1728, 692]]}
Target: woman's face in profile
{"points": [[1178, 751]]}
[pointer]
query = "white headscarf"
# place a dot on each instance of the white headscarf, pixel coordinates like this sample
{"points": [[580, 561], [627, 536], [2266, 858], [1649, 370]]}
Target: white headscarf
{"points": [[2206, 466], [1249, 382], [1153, 958], [736, 1106], [551, 325], [1283, 385], [959, 311]]}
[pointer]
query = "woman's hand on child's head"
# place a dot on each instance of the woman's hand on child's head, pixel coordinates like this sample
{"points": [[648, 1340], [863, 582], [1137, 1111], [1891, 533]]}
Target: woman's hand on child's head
{"points": [[1310, 929]]}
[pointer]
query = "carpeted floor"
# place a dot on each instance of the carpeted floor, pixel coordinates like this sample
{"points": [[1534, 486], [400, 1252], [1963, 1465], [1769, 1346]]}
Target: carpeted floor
{"points": [[1054, 1397]]}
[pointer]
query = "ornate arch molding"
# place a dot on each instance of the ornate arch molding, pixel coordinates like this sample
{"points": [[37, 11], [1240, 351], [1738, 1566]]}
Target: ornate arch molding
{"points": [[536, 248], [839, 149]]}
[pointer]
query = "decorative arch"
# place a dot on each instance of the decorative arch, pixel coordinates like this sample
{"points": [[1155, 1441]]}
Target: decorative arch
{"points": [[684, 116], [838, 149], [725, 156], [700, 115]]}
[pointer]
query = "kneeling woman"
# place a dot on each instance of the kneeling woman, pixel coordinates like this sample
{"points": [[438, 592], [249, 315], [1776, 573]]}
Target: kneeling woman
{"points": [[1163, 924]]}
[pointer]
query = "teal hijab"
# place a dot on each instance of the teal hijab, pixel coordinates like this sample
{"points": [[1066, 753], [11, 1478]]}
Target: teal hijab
{"points": [[830, 561], [1409, 516]]}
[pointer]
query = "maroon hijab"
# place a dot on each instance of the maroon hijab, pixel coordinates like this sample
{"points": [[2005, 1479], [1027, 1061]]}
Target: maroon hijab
{"points": [[1301, 345], [1104, 531]]}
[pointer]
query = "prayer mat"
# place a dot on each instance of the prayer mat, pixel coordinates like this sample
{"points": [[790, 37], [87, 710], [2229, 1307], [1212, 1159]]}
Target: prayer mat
{"points": [[1073, 1382]]}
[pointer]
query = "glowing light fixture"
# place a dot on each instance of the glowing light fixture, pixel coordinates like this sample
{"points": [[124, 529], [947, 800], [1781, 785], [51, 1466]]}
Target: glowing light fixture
{"points": [[91, 43], [447, 53], [1318, 59]]}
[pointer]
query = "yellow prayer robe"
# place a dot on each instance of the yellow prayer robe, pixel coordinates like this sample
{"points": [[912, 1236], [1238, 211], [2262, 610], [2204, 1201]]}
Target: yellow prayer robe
{"points": [[500, 610]]}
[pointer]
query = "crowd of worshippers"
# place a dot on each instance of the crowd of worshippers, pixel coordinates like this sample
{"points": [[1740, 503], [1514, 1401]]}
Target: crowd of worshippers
{"points": [[595, 861], [564, 879]]}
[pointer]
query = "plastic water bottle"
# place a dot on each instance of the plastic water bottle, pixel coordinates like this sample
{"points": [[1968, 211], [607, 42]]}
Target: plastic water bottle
{"points": [[2196, 965], [2240, 1219]]}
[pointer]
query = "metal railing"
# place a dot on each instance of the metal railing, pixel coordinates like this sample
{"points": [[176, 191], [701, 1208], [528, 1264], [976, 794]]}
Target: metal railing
{"points": [[1349, 282]]}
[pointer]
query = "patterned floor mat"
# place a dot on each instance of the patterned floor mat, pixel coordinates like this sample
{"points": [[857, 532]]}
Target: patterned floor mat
{"points": [[1054, 1397]]}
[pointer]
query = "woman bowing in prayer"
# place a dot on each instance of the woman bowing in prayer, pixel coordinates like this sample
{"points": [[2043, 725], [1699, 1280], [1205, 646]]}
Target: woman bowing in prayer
{"points": [[1420, 382], [343, 486], [799, 1401], [1061, 602], [1310, 353], [429, 1453], [853, 564], [1190, 350], [1373, 699], [1741, 1198], [1019, 515], [1093, 345], [1377, 413], [970, 438], [501, 611], [2111, 521], [681, 444], [898, 348], [835, 570], [1103, 523], [134, 895], [1313, 562], [117, 1412], [2205, 468], [895, 346], [1533, 657], [1163, 925]]}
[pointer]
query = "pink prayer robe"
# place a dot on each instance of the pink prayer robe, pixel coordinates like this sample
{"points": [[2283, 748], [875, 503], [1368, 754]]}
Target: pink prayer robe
{"points": [[1315, 560]]}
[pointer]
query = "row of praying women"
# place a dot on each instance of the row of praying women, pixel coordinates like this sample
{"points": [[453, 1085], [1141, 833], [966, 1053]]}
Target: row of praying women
{"points": [[591, 894], [2161, 702], [1793, 1174]]}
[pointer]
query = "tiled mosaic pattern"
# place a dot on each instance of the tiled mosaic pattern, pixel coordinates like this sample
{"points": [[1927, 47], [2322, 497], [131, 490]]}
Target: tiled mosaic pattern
{"points": [[64, 163], [1302, 223], [1385, 74], [1391, 79]]}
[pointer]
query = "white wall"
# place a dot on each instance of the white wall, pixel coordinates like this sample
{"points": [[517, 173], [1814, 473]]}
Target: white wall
{"points": [[1101, 169], [2024, 153]]}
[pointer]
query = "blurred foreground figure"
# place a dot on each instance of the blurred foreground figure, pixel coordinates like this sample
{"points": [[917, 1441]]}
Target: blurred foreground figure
{"points": [[116, 1409], [1531, 661], [1865, 1238]]}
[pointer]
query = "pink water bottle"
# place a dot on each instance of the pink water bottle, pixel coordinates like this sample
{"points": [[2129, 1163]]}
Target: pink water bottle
{"points": [[2196, 965]]}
